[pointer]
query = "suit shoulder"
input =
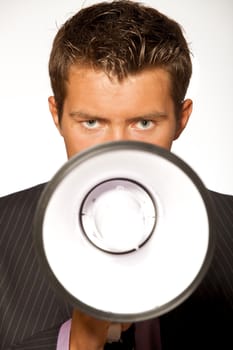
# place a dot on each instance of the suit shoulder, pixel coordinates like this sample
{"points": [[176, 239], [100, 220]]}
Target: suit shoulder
{"points": [[219, 279], [221, 198], [223, 215], [26, 197]]}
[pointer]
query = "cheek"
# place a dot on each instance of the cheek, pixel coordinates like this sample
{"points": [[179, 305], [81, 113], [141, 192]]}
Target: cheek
{"points": [[163, 137], [163, 143], [75, 142], [71, 139]]}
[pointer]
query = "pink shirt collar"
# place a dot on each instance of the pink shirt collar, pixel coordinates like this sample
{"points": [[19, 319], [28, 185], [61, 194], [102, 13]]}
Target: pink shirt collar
{"points": [[64, 336]]}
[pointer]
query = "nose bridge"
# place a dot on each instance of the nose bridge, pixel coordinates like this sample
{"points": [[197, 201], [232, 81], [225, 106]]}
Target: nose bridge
{"points": [[118, 132]]}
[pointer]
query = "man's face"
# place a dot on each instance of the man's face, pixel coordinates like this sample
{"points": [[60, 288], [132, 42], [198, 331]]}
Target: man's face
{"points": [[97, 109]]}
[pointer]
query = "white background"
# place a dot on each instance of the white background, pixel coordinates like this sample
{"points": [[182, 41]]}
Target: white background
{"points": [[31, 150]]}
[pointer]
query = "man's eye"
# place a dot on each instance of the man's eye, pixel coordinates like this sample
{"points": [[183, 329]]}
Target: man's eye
{"points": [[144, 124], [91, 124]]}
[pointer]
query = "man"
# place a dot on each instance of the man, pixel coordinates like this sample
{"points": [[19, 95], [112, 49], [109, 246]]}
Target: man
{"points": [[119, 71]]}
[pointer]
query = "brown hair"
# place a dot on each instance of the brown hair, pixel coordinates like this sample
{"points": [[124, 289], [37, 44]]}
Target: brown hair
{"points": [[121, 37]]}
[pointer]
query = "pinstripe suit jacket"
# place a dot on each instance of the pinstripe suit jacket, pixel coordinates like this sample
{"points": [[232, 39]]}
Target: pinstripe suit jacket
{"points": [[31, 314]]}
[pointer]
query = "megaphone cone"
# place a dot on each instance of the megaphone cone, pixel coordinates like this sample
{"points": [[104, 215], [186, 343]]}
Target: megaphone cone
{"points": [[123, 231]]}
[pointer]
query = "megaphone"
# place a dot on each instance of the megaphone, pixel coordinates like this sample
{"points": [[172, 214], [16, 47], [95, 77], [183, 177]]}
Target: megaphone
{"points": [[124, 231]]}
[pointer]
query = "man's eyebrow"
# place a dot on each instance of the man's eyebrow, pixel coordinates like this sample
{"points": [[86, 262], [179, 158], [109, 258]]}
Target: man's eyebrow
{"points": [[151, 115], [85, 115]]}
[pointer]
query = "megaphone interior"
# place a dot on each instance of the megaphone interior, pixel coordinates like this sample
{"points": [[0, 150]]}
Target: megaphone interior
{"points": [[124, 231]]}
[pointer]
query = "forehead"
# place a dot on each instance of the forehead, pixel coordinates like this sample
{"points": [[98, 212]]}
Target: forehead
{"points": [[80, 76], [95, 91]]}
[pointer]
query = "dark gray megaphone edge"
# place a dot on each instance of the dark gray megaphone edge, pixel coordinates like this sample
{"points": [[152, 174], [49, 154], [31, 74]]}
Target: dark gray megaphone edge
{"points": [[75, 161]]}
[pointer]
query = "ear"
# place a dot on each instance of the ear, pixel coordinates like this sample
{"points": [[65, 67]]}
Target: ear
{"points": [[186, 110], [54, 112]]}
